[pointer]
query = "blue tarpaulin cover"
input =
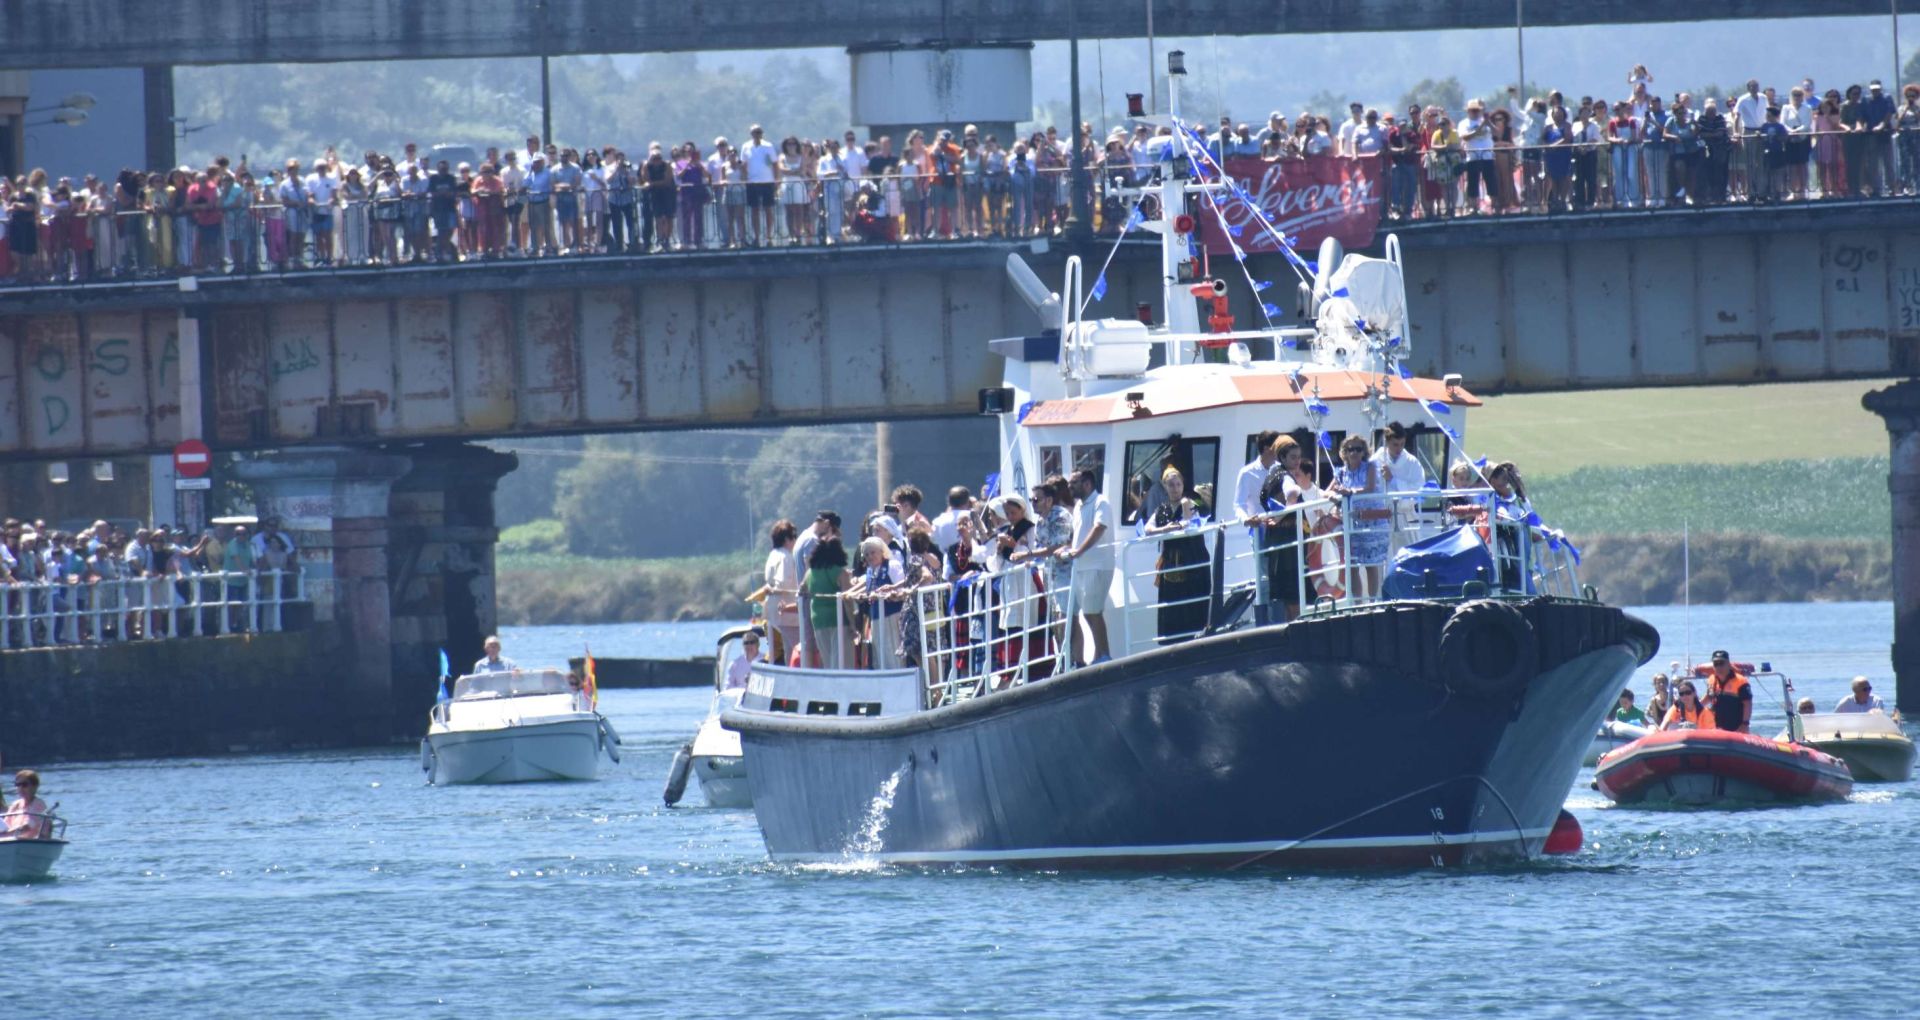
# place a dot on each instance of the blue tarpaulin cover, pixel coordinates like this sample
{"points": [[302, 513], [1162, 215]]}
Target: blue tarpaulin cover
{"points": [[1438, 565]]}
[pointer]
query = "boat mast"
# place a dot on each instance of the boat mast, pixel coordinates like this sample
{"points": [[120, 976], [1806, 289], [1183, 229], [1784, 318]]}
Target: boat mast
{"points": [[1183, 312]]}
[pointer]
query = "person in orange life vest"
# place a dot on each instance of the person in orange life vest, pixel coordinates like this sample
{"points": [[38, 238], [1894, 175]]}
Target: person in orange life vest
{"points": [[1686, 708], [1731, 707]]}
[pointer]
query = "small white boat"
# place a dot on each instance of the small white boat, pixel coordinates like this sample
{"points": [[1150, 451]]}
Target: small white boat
{"points": [[1612, 733], [525, 725], [714, 756], [1871, 743], [29, 860]]}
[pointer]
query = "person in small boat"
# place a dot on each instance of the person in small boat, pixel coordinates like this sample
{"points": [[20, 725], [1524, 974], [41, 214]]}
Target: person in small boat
{"points": [[1661, 701], [1862, 699], [1686, 710], [493, 662], [26, 817], [1185, 574], [1731, 705], [742, 664], [1806, 707], [1626, 712]]}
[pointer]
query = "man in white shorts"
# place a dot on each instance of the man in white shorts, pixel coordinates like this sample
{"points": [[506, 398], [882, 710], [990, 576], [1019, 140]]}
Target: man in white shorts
{"points": [[1093, 573]]}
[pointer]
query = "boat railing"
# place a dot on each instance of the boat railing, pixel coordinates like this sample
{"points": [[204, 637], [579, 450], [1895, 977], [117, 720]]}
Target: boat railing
{"points": [[47, 825], [43, 614], [992, 630]]}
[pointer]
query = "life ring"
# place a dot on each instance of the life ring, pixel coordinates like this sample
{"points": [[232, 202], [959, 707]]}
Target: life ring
{"points": [[1487, 649]]}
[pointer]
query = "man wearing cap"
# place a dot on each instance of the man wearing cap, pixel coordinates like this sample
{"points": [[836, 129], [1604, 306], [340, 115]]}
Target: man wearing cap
{"points": [[1730, 698], [1862, 699]]}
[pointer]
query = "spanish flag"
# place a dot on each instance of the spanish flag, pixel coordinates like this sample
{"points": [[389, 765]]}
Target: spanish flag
{"points": [[593, 686]]}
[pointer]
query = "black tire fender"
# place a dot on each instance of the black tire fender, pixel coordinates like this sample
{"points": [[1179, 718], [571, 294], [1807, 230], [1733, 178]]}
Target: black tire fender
{"points": [[1488, 649]]}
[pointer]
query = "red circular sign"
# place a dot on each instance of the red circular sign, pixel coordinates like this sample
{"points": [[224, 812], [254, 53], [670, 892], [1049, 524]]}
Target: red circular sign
{"points": [[192, 459]]}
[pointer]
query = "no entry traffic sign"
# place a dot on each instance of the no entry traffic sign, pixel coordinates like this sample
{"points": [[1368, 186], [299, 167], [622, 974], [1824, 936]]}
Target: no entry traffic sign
{"points": [[192, 459]]}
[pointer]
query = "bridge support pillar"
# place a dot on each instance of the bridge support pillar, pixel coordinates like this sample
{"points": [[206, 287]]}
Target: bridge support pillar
{"points": [[936, 455], [333, 501], [442, 535], [1899, 406], [899, 88]]}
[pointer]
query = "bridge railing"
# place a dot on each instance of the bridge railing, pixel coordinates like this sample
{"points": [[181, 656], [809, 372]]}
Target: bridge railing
{"points": [[110, 237], [47, 614]]}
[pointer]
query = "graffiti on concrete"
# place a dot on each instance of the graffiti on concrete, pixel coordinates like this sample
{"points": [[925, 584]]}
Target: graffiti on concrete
{"points": [[294, 355]]}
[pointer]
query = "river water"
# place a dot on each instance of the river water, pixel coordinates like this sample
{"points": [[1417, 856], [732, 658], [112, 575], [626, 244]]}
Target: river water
{"points": [[338, 885]]}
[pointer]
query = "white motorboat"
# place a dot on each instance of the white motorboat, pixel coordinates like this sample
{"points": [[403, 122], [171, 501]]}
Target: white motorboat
{"points": [[1871, 743], [1612, 734], [714, 756], [524, 725], [29, 860]]}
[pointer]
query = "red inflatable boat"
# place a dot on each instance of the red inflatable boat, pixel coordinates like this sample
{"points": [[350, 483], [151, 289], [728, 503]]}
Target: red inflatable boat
{"points": [[1696, 767]]}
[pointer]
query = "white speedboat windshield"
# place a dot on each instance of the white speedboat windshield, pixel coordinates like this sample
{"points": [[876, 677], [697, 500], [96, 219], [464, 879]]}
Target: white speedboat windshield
{"points": [[510, 684]]}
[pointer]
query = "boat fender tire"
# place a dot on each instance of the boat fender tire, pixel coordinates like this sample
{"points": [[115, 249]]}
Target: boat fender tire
{"points": [[677, 774], [1487, 650]]}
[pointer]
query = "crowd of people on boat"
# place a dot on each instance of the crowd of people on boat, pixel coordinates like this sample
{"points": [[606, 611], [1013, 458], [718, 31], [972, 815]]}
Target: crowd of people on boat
{"points": [[1532, 155], [1719, 695], [103, 583], [1017, 566]]}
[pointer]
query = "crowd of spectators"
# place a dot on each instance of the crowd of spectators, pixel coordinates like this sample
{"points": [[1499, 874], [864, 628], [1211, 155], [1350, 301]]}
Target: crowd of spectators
{"points": [[102, 583], [1534, 155]]}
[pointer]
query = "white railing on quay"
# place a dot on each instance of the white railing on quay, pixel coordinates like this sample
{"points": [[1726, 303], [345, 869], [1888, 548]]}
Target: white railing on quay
{"points": [[47, 614]]}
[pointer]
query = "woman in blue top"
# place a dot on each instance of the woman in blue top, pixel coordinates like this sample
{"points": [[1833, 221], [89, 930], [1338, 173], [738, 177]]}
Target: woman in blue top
{"points": [[1356, 477]]}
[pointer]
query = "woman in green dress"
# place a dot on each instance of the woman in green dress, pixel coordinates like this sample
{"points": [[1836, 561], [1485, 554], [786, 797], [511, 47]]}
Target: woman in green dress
{"points": [[829, 638]]}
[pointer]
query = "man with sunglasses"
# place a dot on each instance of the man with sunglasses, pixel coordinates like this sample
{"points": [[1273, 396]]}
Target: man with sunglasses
{"points": [[1731, 705], [1862, 699]]}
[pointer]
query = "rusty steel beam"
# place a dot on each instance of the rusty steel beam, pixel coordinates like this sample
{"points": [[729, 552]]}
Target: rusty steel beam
{"points": [[125, 33]]}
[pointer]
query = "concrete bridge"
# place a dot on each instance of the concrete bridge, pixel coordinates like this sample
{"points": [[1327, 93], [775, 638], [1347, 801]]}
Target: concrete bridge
{"points": [[125, 33], [896, 333]]}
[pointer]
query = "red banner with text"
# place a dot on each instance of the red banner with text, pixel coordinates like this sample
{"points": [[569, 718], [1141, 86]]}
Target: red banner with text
{"points": [[1305, 199]]}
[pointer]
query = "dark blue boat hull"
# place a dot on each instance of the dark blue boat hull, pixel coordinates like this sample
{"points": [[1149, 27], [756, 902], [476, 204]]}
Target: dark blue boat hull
{"points": [[1334, 741]]}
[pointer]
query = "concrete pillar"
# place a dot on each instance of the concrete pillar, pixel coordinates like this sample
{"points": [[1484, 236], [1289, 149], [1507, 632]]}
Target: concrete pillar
{"points": [[1899, 406], [157, 85], [899, 88], [334, 502], [442, 535], [937, 455]]}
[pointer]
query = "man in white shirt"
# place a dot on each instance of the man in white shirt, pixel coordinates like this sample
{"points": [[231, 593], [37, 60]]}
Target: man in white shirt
{"points": [[492, 662], [1247, 504], [946, 526], [1749, 115], [1477, 134], [742, 666], [1093, 571], [761, 160], [1349, 128], [1399, 469], [720, 172], [320, 190], [825, 524], [855, 158], [1862, 699]]}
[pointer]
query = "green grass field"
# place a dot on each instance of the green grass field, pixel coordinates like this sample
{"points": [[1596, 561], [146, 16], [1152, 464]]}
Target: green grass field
{"points": [[1551, 434]]}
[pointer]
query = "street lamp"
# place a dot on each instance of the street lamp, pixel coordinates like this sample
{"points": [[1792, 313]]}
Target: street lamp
{"points": [[66, 115], [76, 101]]}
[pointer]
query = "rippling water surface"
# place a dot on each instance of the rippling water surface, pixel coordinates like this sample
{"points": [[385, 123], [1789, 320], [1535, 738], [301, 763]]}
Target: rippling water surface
{"points": [[338, 885]]}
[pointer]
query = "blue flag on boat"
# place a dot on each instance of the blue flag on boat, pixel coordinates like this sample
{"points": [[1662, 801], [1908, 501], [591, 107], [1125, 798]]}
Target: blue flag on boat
{"points": [[1100, 286], [446, 670], [991, 487]]}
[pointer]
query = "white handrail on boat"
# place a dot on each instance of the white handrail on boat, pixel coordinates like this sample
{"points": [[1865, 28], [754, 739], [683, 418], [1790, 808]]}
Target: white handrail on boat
{"points": [[993, 631], [50, 826], [44, 614]]}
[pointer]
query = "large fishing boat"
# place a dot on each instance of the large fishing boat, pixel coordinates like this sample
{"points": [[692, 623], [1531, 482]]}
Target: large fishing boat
{"points": [[1429, 702]]}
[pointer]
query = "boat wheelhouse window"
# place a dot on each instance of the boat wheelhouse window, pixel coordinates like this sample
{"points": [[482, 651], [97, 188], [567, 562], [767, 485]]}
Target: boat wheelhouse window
{"points": [[1050, 462], [511, 684], [1434, 450], [1092, 457], [1198, 461]]}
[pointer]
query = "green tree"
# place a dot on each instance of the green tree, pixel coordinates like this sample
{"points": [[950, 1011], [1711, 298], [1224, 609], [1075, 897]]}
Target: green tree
{"points": [[1446, 93], [807, 470]]}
